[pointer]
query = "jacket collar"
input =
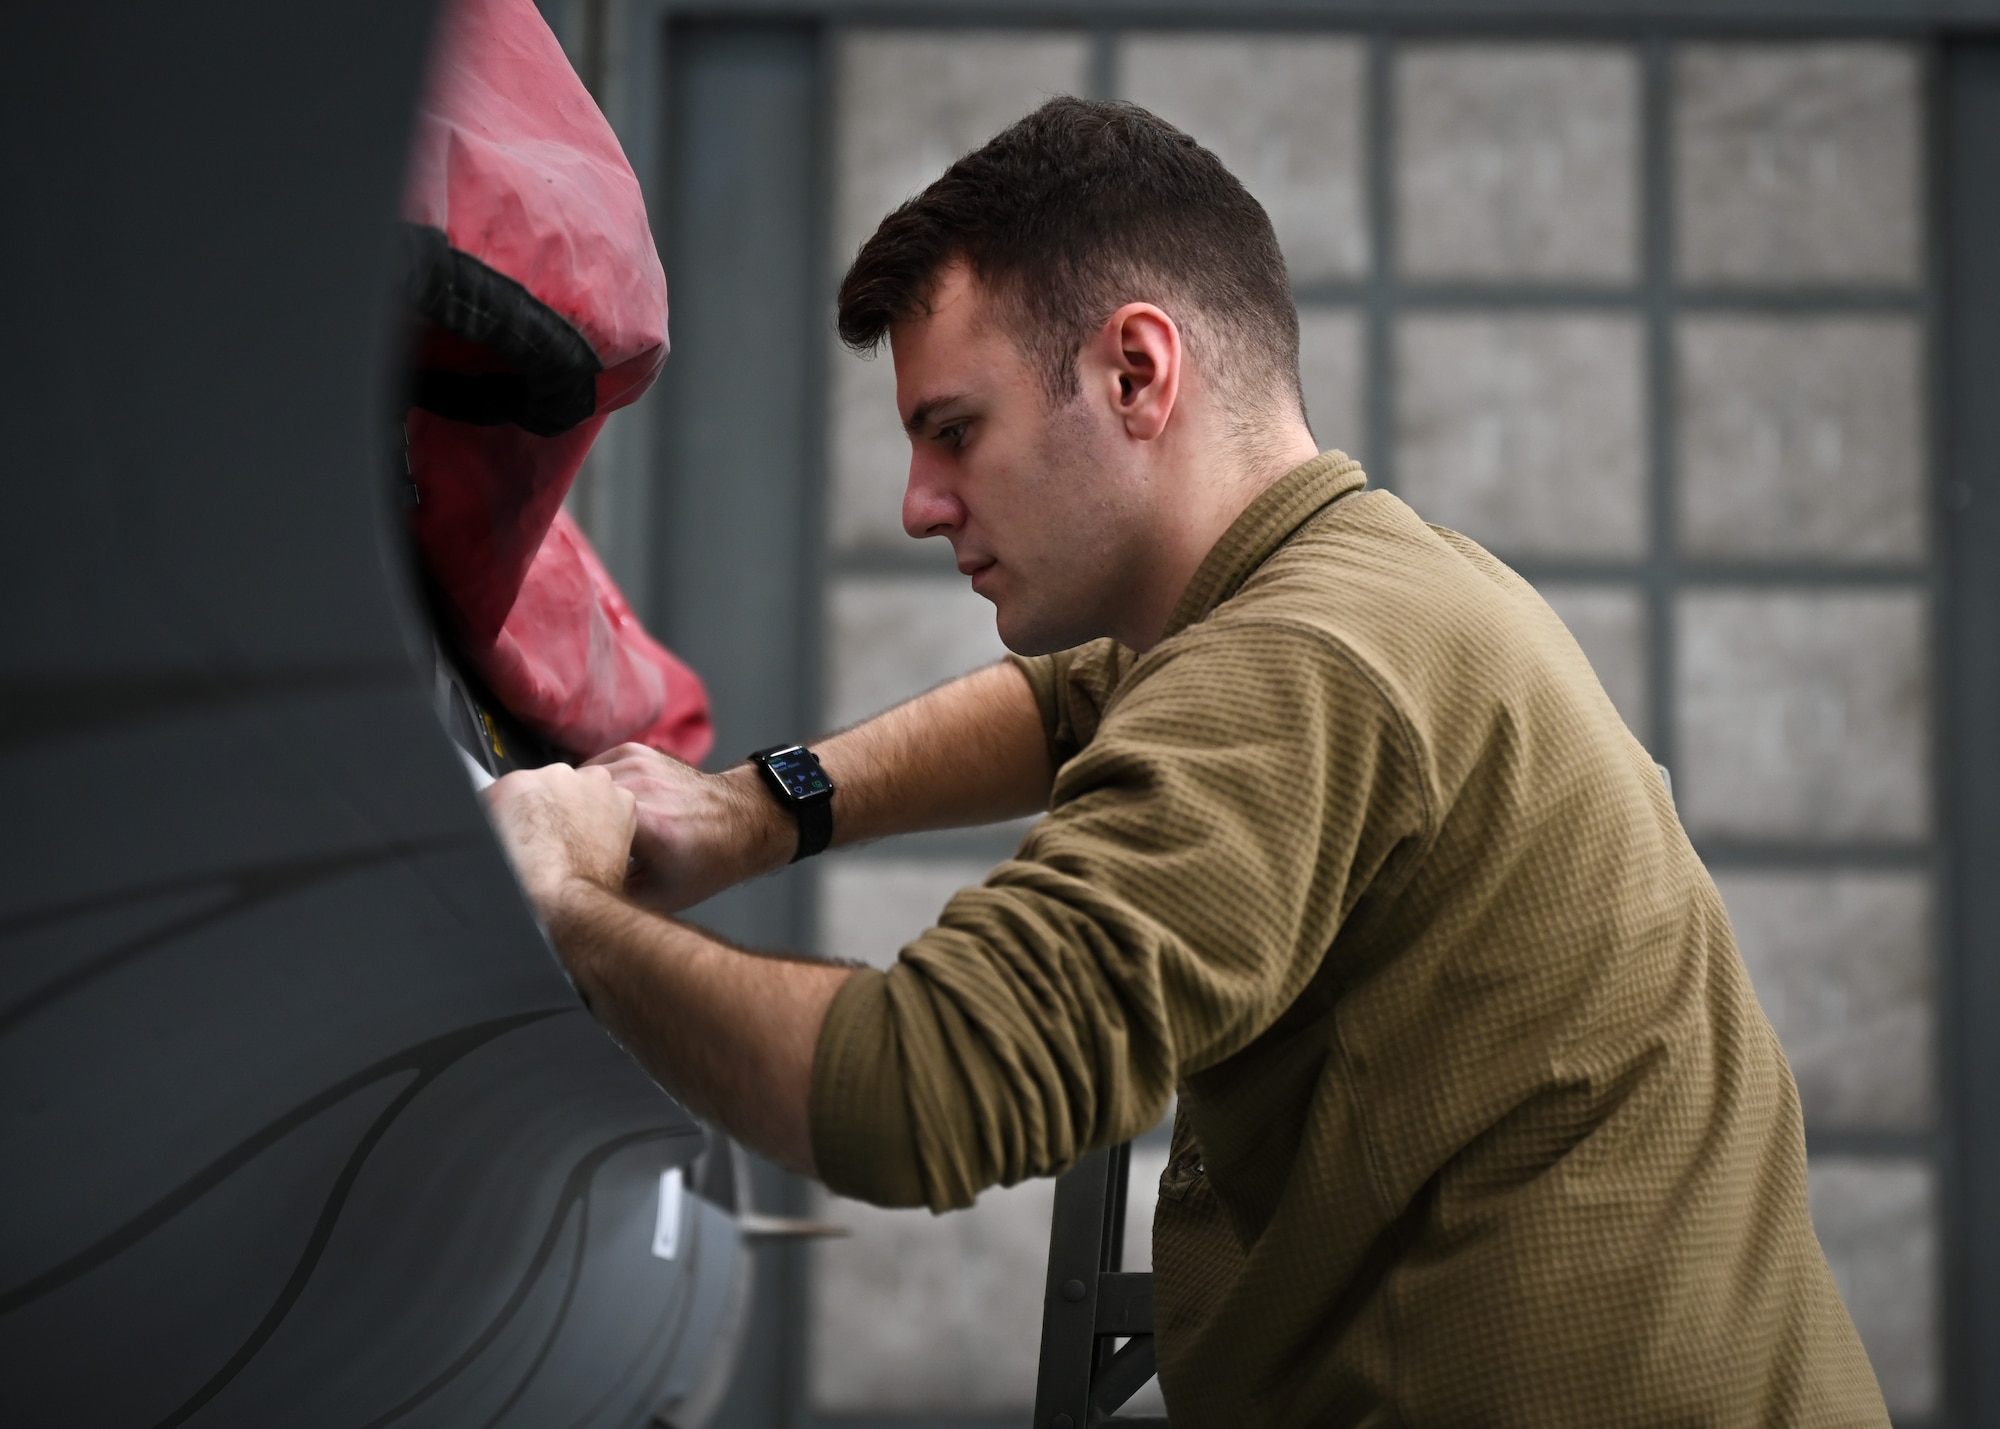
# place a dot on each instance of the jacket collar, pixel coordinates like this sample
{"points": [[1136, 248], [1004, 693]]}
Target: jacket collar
{"points": [[1265, 525]]}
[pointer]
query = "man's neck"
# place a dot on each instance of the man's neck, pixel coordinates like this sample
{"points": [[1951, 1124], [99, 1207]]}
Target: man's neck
{"points": [[1209, 501]]}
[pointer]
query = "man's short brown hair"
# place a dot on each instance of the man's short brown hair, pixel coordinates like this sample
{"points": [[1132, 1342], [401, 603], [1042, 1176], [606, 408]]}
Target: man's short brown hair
{"points": [[1072, 212]]}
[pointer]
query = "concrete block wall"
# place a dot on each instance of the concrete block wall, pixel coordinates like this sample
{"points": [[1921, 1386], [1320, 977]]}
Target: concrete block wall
{"points": [[1286, 114], [1801, 437], [1518, 162], [1525, 428], [1804, 715], [1804, 706], [1702, 433], [1799, 163]]}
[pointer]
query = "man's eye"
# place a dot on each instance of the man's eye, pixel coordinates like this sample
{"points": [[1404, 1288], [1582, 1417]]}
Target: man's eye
{"points": [[953, 434]]}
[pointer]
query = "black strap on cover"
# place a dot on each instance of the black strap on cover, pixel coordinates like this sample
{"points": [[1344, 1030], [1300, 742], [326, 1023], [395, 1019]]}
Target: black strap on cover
{"points": [[552, 384]]}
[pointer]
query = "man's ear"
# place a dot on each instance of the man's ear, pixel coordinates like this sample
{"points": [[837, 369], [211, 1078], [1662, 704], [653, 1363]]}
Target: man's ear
{"points": [[1138, 359]]}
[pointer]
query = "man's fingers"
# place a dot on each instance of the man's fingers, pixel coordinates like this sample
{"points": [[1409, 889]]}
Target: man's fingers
{"points": [[573, 816], [636, 756], [588, 799], [506, 792], [615, 754], [606, 794]]}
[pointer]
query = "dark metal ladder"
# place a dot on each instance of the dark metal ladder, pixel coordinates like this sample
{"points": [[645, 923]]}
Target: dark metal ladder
{"points": [[1090, 1302]]}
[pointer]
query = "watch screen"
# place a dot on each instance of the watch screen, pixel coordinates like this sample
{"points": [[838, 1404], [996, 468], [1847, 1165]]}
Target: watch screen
{"points": [[800, 773]]}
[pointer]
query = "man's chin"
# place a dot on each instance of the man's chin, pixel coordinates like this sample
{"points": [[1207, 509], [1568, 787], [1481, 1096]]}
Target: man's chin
{"points": [[1024, 634]]}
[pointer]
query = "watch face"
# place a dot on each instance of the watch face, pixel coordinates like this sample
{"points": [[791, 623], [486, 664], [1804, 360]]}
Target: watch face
{"points": [[799, 772]]}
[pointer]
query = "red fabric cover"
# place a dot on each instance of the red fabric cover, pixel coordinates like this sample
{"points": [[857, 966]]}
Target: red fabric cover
{"points": [[515, 164], [514, 161], [486, 497], [574, 651]]}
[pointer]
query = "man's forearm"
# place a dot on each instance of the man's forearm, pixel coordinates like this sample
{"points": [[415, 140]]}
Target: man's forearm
{"points": [[970, 752], [730, 1034]]}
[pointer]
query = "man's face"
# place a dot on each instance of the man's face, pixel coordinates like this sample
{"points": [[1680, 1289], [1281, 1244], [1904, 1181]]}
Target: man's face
{"points": [[1038, 502]]}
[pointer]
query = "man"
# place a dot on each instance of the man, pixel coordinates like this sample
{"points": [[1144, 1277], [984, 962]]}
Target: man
{"points": [[1479, 1120]]}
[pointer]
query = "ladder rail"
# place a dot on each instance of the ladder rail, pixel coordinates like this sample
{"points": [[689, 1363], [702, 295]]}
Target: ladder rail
{"points": [[1090, 1302]]}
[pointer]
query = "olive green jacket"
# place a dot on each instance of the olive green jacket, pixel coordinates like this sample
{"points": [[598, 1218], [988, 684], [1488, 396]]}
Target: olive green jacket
{"points": [[1479, 1119]]}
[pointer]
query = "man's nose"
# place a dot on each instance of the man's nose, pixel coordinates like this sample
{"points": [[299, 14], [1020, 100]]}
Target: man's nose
{"points": [[929, 507]]}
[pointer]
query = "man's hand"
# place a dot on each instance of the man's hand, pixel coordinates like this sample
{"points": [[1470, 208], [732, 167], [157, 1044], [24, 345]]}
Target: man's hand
{"points": [[565, 829], [697, 833], [731, 1035]]}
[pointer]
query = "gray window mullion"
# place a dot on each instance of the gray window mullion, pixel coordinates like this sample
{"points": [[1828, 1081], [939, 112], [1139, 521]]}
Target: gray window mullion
{"points": [[1970, 468], [1380, 288], [1657, 220]]}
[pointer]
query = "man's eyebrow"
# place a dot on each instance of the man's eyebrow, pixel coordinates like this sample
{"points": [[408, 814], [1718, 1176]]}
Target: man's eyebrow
{"points": [[921, 418]]}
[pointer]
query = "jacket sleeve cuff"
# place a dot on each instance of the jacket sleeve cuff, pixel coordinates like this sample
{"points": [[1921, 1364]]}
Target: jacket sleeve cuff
{"points": [[862, 1140]]}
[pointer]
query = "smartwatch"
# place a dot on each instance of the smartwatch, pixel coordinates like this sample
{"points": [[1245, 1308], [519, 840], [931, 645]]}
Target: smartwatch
{"points": [[793, 774]]}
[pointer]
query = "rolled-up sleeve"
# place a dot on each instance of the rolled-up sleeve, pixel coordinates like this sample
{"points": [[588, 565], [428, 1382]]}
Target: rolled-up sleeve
{"points": [[1071, 688], [1234, 796]]}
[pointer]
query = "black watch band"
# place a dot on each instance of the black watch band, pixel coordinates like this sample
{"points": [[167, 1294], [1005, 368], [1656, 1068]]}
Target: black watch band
{"points": [[815, 827], [793, 775]]}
